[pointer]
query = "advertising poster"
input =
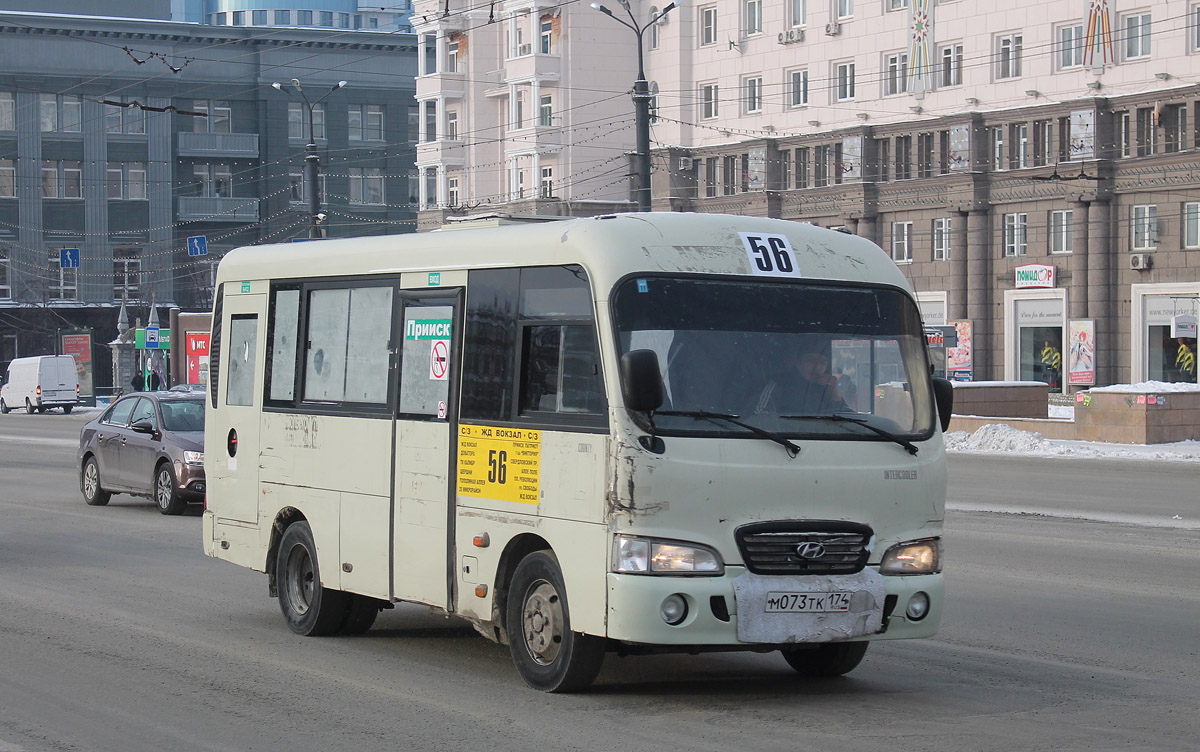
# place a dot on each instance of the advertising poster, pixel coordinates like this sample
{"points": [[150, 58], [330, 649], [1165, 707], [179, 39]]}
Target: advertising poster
{"points": [[1082, 365], [958, 358], [79, 347], [197, 357]]}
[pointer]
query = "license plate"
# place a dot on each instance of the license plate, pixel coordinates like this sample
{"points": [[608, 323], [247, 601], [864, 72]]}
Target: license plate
{"points": [[807, 603]]}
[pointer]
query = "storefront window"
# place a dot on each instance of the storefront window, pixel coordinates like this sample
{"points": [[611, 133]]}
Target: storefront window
{"points": [[1039, 342], [1171, 359]]}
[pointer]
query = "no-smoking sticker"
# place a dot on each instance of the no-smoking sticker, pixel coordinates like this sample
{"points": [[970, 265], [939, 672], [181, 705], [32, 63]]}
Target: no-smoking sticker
{"points": [[439, 360]]}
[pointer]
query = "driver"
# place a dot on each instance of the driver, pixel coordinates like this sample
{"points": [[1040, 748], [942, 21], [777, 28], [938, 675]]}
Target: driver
{"points": [[806, 387]]}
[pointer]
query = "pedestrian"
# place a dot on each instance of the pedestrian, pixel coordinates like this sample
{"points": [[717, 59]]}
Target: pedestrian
{"points": [[138, 382]]}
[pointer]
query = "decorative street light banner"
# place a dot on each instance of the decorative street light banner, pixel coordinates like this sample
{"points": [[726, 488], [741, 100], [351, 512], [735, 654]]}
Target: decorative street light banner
{"points": [[920, 41], [1098, 36]]}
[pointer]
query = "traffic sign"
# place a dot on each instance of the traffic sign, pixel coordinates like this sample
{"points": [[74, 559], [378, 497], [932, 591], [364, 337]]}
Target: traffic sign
{"points": [[152, 338], [197, 245], [68, 258]]}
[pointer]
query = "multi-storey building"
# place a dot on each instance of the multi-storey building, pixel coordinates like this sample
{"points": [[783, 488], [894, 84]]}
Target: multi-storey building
{"points": [[969, 141], [523, 105], [122, 138], [328, 14]]}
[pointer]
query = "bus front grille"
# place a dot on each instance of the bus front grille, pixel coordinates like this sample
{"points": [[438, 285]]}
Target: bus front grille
{"points": [[804, 547]]}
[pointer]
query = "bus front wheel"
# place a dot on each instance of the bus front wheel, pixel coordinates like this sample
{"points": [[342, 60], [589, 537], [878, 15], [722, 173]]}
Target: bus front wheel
{"points": [[547, 654], [830, 659], [308, 608]]}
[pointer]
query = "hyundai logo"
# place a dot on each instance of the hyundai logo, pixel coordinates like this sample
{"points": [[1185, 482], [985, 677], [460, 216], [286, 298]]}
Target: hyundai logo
{"points": [[810, 550]]}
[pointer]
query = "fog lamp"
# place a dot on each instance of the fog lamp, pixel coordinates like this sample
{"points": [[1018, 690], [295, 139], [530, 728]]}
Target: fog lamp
{"points": [[918, 607], [674, 609]]}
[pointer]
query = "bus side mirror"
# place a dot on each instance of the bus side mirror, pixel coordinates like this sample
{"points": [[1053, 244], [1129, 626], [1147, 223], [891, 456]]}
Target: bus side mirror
{"points": [[641, 381], [943, 394]]}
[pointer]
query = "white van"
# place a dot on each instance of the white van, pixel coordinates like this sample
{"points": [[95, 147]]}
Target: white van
{"points": [[40, 383]]}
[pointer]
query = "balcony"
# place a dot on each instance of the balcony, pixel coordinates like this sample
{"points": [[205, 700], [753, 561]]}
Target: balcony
{"points": [[243, 145], [531, 66], [218, 209]]}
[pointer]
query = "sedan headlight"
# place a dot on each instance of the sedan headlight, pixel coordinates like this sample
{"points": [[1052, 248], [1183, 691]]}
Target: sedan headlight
{"points": [[913, 557], [193, 458], [648, 556]]}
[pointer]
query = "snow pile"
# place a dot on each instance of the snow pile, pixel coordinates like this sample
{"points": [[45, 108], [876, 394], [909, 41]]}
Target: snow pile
{"points": [[1150, 387], [1002, 439]]}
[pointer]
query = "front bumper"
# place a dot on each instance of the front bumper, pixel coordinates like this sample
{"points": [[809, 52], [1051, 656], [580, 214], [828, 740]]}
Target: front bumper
{"points": [[189, 481], [712, 620]]}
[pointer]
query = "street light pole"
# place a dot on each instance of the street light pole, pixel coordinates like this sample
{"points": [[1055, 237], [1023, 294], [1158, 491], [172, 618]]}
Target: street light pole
{"points": [[641, 98], [312, 160]]}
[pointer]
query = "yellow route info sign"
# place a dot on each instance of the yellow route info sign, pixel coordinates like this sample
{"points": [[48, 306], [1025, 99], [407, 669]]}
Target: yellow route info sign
{"points": [[499, 463]]}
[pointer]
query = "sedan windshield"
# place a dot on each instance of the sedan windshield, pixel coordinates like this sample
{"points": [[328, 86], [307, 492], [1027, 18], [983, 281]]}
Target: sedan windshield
{"points": [[182, 415], [781, 356]]}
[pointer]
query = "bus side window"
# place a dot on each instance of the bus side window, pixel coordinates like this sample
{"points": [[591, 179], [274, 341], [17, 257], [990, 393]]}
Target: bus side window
{"points": [[560, 372], [243, 349], [283, 334]]}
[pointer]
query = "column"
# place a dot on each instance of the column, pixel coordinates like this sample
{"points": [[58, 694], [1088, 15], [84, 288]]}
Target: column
{"points": [[1078, 263], [95, 278], [956, 293], [979, 292], [29, 259], [536, 178], [1101, 251]]}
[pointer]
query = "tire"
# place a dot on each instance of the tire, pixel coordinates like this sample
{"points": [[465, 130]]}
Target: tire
{"points": [[308, 608], [360, 614], [166, 495], [3, 407], [28, 407], [89, 484], [830, 659], [547, 654], [67, 409]]}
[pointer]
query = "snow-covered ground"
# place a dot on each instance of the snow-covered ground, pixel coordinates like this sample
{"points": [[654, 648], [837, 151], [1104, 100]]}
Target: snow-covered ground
{"points": [[1002, 439]]}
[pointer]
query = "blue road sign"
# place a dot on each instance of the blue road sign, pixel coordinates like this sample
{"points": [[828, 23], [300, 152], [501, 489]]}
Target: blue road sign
{"points": [[152, 337], [197, 245], [68, 258]]}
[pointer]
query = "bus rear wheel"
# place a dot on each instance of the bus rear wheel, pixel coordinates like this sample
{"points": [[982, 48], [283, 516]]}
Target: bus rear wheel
{"points": [[830, 659], [309, 608], [547, 654]]}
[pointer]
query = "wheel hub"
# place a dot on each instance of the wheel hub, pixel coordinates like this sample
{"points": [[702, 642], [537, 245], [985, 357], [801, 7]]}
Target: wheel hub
{"points": [[543, 623]]}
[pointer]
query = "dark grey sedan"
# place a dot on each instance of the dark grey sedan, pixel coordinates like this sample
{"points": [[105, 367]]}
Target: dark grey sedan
{"points": [[147, 444]]}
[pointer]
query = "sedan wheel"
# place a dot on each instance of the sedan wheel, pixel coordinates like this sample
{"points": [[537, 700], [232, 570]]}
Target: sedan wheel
{"points": [[89, 484], [165, 495]]}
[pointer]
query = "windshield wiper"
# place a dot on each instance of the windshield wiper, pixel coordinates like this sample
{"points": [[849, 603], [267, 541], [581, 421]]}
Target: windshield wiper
{"points": [[843, 418], [792, 449]]}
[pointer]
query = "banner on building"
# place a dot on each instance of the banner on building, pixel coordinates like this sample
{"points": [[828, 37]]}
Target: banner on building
{"points": [[197, 357], [1083, 135], [960, 147], [920, 43], [852, 158], [958, 358], [756, 169], [1081, 368], [1098, 38]]}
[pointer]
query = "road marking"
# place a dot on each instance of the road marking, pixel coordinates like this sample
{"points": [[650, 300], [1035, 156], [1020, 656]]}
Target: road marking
{"points": [[35, 440], [1121, 519]]}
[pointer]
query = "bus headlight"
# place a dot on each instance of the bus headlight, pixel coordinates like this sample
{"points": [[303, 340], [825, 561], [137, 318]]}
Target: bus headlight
{"points": [[193, 458], [913, 557], [648, 556]]}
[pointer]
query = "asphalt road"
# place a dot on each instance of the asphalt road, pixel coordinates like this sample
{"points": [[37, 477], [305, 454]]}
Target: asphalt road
{"points": [[117, 633]]}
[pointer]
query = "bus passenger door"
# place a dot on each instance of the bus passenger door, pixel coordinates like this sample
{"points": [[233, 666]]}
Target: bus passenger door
{"points": [[231, 431], [430, 342]]}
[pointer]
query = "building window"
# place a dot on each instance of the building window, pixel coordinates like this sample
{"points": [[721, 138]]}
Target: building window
{"points": [[8, 179], [1070, 46], [903, 157], [518, 119], [883, 151], [1124, 134], [820, 166], [712, 177], [708, 25], [1144, 227], [845, 9], [451, 125], [798, 96], [5, 277], [126, 180], [62, 178], [283, 18], [1195, 35], [298, 121], [785, 170], [896, 5], [1137, 35], [343, 20], [258, 17], [1008, 56], [952, 65], [546, 37], [1191, 225], [895, 79], [902, 241], [547, 182], [843, 81], [1018, 156], [1061, 231], [119, 119], [64, 283], [1147, 132], [1015, 234], [944, 152], [754, 92], [452, 48], [213, 180], [8, 112], [430, 107], [127, 274], [730, 175], [925, 143], [452, 191], [296, 185], [802, 160], [61, 113], [216, 116], [653, 29], [799, 14], [326, 17], [941, 239], [997, 141], [304, 18], [239, 18], [752, 16], [1043, 135], [1173, 120], [429, 201], [366, 185], [546, 111], [366, 122], [709, 94]]}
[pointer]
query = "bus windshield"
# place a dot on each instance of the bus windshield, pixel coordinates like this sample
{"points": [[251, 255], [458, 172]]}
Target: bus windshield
{"points": [[793, 358]]}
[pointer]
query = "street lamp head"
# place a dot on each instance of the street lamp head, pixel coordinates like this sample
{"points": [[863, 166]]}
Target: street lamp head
{"points": [[296, 84], [602, 9], [277, 86], [340, 84], [624, 3]]}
